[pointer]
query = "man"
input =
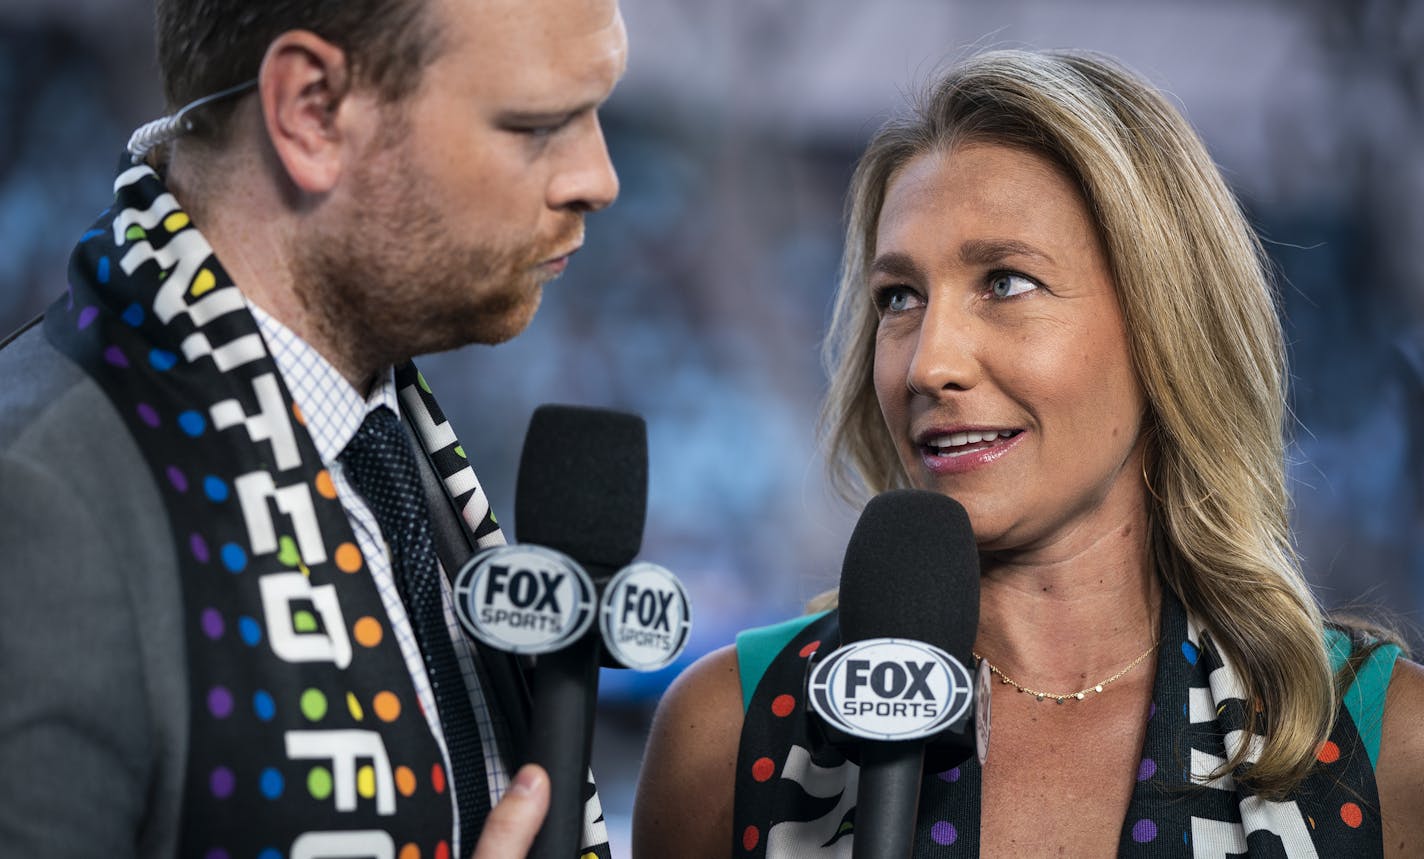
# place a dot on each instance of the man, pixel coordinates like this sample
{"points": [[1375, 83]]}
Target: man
{"points": [[224, 630]]}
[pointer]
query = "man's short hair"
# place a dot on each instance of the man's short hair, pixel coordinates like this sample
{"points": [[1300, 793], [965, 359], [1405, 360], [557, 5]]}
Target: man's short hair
{"points": [[205, 46]]}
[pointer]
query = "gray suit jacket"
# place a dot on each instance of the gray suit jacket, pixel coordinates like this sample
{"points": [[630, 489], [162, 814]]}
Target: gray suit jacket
{"points": [[93, 683]]}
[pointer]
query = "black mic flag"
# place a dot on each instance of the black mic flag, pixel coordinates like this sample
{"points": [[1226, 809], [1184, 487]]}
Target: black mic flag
{"points": [[583, 485], [909, 612], [582, 490]]}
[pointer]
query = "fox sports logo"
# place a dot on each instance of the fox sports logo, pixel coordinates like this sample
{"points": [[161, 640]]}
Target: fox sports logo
{"points": [[891, 689]]}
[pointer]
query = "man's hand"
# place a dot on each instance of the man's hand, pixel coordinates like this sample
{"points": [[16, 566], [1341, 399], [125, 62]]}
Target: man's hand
{"points": [[512, 825]]}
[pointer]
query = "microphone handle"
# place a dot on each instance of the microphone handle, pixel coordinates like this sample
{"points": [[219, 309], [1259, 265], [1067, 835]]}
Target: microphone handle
{"points": [[888, 799], [565, 685]]}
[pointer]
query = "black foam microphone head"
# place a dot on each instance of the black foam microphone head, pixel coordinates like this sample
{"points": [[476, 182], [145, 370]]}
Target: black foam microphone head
{"points": [[911, 570], [583, 485]]}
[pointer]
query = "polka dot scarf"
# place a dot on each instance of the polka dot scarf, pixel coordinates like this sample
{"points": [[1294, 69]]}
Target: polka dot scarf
{"points": [[795, 794], [306, 736]]}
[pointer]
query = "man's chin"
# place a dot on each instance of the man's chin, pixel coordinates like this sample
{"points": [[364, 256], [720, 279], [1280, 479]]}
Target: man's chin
{"points": [[514, 320], [488, 326]]}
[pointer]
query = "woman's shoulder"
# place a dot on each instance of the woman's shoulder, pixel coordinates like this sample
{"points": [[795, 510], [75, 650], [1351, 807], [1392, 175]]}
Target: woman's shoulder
{"points": [[710, 684], [684, 798], [687, 784], [1399, 774]]}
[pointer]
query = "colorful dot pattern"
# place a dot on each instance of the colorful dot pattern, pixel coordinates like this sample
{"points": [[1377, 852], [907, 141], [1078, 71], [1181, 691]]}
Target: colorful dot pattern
{"points": [[245, 796], [1335, 804]]}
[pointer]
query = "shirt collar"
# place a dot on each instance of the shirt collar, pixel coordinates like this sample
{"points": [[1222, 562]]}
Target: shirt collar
{"points": [[331, 408]]}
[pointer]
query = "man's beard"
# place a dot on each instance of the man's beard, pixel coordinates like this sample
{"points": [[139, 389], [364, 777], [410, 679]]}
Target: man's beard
{"points": [[390, 280]]}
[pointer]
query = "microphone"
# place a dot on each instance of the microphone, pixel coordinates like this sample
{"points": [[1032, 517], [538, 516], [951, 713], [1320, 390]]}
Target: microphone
{"points": [[909, 612], [582, 490]]}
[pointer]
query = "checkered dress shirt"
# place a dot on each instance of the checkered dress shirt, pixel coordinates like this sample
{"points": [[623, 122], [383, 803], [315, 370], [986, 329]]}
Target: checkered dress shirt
{"points": [[334, 411]]}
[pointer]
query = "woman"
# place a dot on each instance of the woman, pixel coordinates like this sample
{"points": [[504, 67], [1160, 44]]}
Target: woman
{"points": [[1052, 309]]}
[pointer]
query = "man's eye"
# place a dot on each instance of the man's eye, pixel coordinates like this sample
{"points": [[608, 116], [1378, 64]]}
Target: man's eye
{"points": [[541, 129], [1006, 284]]}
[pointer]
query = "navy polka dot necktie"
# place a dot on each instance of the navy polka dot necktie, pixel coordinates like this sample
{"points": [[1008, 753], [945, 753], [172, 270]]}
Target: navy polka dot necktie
{"points": [[381, 466]]}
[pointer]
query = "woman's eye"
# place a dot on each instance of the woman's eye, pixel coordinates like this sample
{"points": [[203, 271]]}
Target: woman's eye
{"points": [[1007, 284], [894, 299]]}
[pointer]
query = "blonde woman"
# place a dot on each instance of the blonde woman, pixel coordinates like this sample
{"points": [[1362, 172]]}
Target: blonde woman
{"points": [[1052, 309]]}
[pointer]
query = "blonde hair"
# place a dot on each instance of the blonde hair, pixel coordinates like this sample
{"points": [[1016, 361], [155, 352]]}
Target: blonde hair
{"points": [[1206, 342]]}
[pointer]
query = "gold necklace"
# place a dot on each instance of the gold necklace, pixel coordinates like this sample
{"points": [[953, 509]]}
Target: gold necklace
{"points": [[1079, 695]]}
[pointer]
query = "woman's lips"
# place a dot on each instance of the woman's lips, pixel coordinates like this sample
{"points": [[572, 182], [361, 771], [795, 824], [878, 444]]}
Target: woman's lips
{"points": [[961, 450]]}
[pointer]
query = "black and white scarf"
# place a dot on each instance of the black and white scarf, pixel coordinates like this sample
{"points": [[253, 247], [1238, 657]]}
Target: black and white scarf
{"points": [[796, 795], [306, 735]]}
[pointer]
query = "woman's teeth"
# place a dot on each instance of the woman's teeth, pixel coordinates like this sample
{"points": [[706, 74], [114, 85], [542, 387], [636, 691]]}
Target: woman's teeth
{"points": [[959, 439]]}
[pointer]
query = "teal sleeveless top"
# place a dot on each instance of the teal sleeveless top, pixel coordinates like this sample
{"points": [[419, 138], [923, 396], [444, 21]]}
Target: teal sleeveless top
{"points": [[795, 793]]}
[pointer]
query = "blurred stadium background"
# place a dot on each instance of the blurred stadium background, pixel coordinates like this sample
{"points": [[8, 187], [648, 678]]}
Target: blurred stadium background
{"points": [[701, 296]]}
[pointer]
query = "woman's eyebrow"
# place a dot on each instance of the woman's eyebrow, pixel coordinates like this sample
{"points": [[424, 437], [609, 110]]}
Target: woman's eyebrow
{"points": [[986, 251], [895, 264]]}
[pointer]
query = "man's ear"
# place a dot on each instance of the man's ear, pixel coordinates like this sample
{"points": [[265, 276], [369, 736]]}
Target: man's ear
{"points": [[303, 84]]}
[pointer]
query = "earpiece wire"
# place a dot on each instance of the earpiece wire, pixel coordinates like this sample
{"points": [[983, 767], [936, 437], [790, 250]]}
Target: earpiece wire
{"points": [[169, 128]]}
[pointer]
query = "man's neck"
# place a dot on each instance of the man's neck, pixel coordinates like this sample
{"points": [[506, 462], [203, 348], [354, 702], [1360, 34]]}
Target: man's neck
{"points": [[251, 230]]}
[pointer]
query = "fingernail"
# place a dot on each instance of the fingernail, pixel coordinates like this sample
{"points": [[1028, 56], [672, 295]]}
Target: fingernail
{"points": [[526, 780]]}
